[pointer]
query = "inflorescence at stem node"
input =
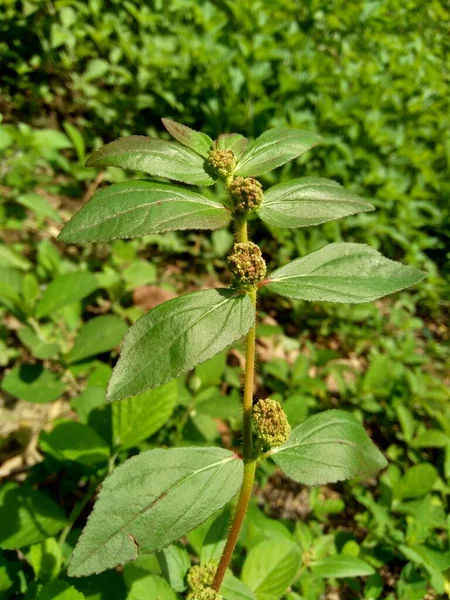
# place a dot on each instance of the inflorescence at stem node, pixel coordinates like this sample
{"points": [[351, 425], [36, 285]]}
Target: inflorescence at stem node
{"points": [[271, 424], [247, 265]]}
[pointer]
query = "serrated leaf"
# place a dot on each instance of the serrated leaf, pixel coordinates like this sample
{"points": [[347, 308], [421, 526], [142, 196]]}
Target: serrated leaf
{"points": [[338, 566], [342, 272], [136, 208], [73, 441], [309, 201], [137, 418], [328, 447], [27, 516], [153, 156], [100, 334], [270, 568], [152, 500], [274, 148], [232, 141], [195, 140], [65, 290], [33, 383], [176, 336]]}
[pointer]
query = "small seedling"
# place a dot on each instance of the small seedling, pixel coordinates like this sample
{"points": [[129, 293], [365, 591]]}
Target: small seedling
{"points": [[158, 496]]}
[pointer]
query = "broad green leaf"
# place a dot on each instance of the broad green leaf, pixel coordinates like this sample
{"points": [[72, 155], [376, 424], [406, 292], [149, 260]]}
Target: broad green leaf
{"points": [[417, 481], [39, 347], [176, 336], [195, 140], [152, 500], [100, 334], [174, 562], [73, 441], [232, 141], [270, 568], [341, 566], [33, 383], [309, 201], [40, 206], [136, 208], [235, 589], [274, 148], [328, 447], [215, 538], [45, 558], [343, 272], [65, 290], [153, 156], [59, 590], [27, 516], [151, 587], [137, 418]]}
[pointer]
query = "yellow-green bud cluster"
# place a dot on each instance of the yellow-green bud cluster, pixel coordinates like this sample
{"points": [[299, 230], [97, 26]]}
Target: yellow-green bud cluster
{"points": [[271, 424], [247, 193], [222, 162], [199, 578], [246, 265], [207, 594]]}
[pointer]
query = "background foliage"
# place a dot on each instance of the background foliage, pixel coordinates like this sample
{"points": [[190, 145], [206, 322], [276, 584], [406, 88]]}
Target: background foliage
{"points": [[372, 78]]}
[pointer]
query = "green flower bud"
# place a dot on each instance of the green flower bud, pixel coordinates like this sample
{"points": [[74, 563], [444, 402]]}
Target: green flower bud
{"points": [[247, 265], [247, 193], [200, 577], [222, 162], [207, 594], [271, 424]]}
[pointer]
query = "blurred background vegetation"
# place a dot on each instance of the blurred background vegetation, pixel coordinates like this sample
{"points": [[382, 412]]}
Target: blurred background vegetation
{"points": [[372, 77]]}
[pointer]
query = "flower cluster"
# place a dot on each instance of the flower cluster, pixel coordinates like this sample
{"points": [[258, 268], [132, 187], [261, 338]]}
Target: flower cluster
{"points": [[222, 162], [247, 193], [271, 424], [199, 580], [246, 265]]}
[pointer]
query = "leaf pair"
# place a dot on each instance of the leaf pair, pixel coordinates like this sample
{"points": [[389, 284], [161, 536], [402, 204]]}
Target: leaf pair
{"points": [[160, 495]]}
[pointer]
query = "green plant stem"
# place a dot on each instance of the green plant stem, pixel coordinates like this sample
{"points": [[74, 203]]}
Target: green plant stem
{"points": [[249, 460]]}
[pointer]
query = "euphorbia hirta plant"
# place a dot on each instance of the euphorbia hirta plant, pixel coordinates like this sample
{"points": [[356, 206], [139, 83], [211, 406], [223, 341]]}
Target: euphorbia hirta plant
{"points": [[153, 499]]}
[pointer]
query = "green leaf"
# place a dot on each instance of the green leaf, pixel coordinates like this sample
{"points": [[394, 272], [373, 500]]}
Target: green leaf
{"points": [[274, 148], [328, 447], [137, 418], [270, 568], [38, 347], [33, 383], [343, 272], [215, 538], [40, 206], [27, 516], [98, 335], [417, 481], [176, 336], [341, 566], [195, 140], [152, 500], [136, 208], [151, 587], [73, 441], [232, 141], [153, 156], [235, 589], [77, 140], [174, 562], [60, 590], [309, 201], [46, 559], [65, 290]]}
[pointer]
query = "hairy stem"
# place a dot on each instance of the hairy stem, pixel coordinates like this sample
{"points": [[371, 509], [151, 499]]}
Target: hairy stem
{"points": [[249, 460]]}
